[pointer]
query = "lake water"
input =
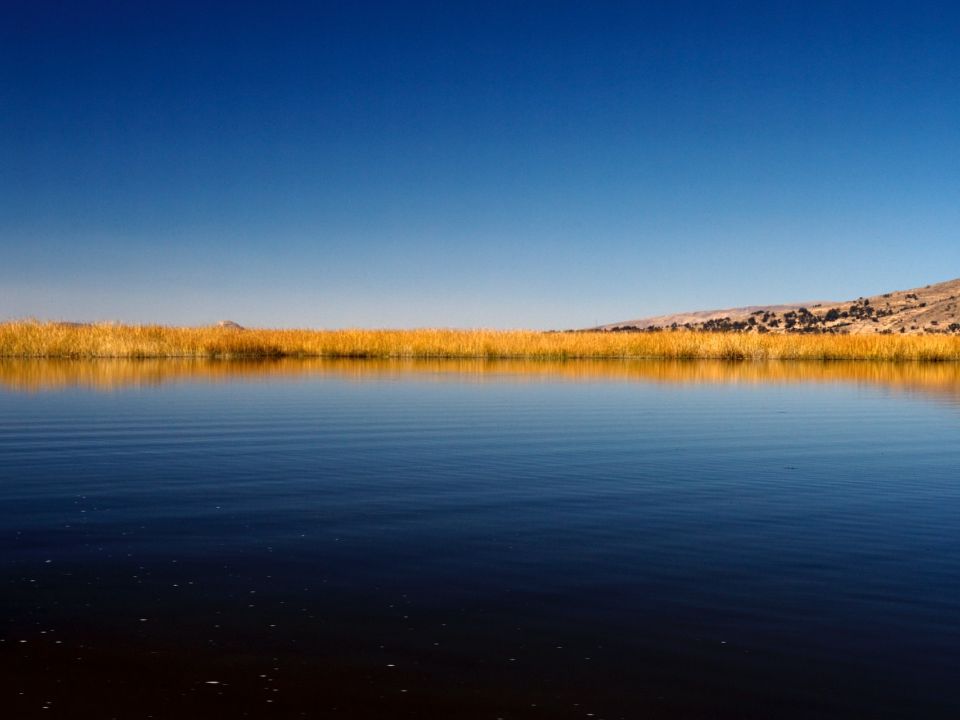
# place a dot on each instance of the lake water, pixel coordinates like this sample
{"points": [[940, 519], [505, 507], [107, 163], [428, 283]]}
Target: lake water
{"points": [[479, 540]]}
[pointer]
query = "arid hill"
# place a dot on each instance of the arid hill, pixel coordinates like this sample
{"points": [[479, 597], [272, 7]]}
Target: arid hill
{"points": [[934, 309]]}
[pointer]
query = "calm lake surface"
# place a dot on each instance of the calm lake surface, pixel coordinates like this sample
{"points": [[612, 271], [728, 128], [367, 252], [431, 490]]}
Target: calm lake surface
{"points": [[479, 540]]}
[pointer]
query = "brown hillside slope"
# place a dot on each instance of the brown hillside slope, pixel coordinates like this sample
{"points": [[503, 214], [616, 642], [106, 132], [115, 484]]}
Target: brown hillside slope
{"points": [[934, 309]]}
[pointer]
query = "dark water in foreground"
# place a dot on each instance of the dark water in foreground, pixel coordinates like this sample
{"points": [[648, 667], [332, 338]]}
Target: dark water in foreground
{"points": [[457, 540]]}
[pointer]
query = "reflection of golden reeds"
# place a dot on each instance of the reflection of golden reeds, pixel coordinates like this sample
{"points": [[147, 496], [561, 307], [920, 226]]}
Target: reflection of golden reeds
{"points": [[34, 339], [941, 379]]}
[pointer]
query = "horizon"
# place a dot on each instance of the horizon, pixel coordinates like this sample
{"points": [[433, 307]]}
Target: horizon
{"points": [[233, 321], [541, 167]]}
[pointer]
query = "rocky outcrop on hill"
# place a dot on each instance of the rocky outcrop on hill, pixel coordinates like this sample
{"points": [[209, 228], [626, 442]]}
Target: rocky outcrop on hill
{"points": [[933, 309]]}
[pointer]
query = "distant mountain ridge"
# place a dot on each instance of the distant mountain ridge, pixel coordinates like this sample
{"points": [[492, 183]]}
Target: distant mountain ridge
{"points": [[933, 309]]}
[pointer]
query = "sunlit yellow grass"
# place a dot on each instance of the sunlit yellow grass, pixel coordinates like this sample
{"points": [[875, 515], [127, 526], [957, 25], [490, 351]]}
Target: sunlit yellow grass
{"points": [[52, 340]]}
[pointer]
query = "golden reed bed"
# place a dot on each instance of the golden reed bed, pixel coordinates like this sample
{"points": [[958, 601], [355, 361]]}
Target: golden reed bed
{"points": [[55, 340]]}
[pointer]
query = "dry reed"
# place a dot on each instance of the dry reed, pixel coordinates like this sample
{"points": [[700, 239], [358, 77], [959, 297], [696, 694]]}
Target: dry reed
{"points": [[29, 339]]}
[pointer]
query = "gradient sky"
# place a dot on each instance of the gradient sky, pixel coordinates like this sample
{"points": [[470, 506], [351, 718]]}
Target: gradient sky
{"points": [[466, 164]]}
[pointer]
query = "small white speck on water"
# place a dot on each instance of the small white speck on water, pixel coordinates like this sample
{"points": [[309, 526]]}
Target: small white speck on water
{"points": [[212, 682]]}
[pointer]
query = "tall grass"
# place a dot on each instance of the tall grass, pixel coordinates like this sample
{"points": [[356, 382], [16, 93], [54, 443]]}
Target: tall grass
{"points": [[54, 340]]}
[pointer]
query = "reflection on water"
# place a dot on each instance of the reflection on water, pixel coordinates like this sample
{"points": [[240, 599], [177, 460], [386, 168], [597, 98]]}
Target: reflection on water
{"points": [[478, 540], [939, 379]]}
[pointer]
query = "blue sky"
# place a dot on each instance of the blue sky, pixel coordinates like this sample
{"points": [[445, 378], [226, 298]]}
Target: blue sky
{"points": [[464, 164]]}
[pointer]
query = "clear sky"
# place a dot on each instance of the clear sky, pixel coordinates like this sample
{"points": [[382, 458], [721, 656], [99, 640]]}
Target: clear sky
{"points": [[521, 164]]}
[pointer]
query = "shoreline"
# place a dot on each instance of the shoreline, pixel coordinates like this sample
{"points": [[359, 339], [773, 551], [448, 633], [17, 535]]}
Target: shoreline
{"points": [[41, 340]]}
